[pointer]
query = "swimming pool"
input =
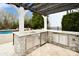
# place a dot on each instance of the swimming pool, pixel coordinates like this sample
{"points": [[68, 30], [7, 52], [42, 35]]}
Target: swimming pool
{"points": [[5, 32]]}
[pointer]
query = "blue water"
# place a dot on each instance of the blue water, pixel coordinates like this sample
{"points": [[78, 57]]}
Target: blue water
{"points": [[5, 32]]}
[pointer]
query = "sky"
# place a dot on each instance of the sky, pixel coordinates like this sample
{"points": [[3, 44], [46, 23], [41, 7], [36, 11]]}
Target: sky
{"points": [[11, 9], [8, 8], [54, 19]]}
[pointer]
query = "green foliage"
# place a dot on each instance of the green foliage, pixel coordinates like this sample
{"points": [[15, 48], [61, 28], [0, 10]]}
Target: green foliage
{"points": [[8, 21], [27, 23], [15, 24], [70, 22], [37, 21], [0, 25], [6, 24]]}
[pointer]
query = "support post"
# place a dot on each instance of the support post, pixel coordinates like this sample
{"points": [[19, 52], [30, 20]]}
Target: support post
{"points": [[21, 12], [45, 22]]}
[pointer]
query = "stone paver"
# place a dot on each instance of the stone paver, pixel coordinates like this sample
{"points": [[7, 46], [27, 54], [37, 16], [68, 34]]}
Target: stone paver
{"points": [[52, 50], [7, 49], [46, 50], [5, 38]]}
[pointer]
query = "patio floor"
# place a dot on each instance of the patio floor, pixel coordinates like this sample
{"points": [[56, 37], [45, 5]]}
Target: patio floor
{"points": [[52, 50], [46, 50], [7, 49]]}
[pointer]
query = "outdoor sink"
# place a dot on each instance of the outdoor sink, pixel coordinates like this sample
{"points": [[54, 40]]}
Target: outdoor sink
{"points": [[33, 32], [30, 32]]}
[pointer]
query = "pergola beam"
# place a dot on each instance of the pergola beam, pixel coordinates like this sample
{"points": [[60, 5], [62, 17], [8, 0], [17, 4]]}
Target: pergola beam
{"points": [[60, 8], [47, 8]]}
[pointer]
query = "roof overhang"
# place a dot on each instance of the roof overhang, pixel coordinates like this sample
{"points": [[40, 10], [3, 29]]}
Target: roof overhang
{"points": [[48, 8]]}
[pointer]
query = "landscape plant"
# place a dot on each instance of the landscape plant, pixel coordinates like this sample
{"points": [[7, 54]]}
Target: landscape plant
{"points": [[70, 22]]}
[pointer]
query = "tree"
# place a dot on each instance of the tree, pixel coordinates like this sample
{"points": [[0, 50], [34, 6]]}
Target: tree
{"points": [[15, 24], [5, 24], [27, 23], [37, 21], [0, 25], [6, 19], [70, 22]]}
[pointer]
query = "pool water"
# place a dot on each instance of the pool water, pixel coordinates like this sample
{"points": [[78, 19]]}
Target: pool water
{"points": [[5, 32]]}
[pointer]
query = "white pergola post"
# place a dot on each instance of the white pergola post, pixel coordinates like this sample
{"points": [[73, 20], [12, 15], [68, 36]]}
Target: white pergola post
{"points": [[45, 22], [21, 13]]}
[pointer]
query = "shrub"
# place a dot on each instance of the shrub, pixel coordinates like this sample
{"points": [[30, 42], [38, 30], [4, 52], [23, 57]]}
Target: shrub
{"points": [[70, 22], [37, 21], [15, 25]]}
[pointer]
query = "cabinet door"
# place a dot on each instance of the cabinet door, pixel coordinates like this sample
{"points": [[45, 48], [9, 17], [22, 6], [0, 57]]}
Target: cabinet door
{"points": [[72, 39], [32, 40], [50, 37], [43, 37], [55, 38], [63, 39], [36, 39], [29, 42]]}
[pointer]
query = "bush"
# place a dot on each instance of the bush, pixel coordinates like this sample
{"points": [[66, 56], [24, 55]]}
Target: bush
{"points": [[0, 25], [27, 23], [70, 22], [15, 25], [37, 21]]}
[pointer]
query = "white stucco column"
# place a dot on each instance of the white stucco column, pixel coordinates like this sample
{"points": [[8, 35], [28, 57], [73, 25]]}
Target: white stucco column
{"points": [[21, 13], [45, 22]]}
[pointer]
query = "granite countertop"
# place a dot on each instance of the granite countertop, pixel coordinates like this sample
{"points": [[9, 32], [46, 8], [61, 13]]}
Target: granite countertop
{"points": [[64, 32], [24, 33], [40, 31]]}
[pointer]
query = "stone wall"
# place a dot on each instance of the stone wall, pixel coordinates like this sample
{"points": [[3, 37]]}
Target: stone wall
{"points": [[26, 44], [64, 40]]}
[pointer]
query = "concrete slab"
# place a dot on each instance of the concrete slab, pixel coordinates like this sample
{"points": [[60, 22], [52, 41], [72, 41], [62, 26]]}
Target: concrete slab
{"points": [[46, 50], [7, 49], [52, 50]]}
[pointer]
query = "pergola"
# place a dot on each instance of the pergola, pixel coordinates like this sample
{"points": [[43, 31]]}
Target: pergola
{"points": [[43, 8], [26, 40]]}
